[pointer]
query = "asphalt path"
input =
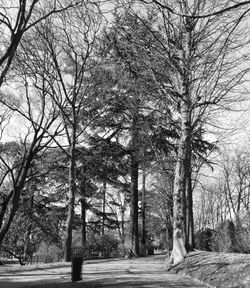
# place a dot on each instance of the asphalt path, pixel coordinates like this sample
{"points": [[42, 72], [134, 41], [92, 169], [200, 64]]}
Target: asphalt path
{"points": [[123, 273]]}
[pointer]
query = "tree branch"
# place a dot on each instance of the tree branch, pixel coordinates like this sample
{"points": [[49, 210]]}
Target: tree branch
{"points": [[221, 11]]}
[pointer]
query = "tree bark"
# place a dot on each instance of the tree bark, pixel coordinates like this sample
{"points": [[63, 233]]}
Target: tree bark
{"points": [[10, 207], [143, 207], [190, 245], [27, 243], [134, 206], [71, 199], [83, 208], [179, 195], [134, 188], [103, 206], [179, 250], [83, 215], [121, 228], [181, 208]]}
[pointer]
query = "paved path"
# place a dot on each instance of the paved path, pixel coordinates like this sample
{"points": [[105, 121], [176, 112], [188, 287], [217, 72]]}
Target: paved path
{"points": [[123, 273]]}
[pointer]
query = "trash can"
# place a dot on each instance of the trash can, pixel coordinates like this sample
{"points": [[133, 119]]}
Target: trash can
{"points": [[76, 264], [150, 251], [76, 269]]}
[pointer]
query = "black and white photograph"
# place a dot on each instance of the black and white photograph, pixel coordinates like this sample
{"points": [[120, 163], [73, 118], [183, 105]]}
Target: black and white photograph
{"points": [[124, 143]]}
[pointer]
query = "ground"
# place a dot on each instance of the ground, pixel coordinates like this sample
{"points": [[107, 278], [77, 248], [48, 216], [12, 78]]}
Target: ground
{"points": [[123, 273], [219, 270], [215, 269]]}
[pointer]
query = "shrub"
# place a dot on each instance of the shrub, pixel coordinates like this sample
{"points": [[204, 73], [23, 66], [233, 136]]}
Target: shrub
{"points": [[97, 245], [204, 239], [224, 238], [48, 253]]}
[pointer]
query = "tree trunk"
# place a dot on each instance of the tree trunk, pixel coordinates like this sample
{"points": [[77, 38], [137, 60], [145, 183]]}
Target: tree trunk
{"points": [[134, 206], [83, 209], [182, 208], [9, 207], [179, 195], [71, 200], [190, 245], [134, 188], [179, 249], [103, 206], [143, 207], [83, 215], [27, 243], [26, 252], [121, 228]]}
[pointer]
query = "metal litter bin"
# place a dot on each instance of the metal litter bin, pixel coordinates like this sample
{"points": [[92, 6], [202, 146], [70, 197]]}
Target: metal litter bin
{"points": [[150, 251], [76, 263]]}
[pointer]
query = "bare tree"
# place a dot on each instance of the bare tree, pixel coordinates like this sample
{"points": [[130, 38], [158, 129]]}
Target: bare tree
{"points": [[210, 207], [236, 171], [222, 7], [16, 17], [38, 118], [225, 199], [201, 79], [69, 40]]}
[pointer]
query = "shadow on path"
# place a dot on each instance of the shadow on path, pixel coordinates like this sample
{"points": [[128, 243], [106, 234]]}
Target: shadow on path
{"points": [[139, 273]]}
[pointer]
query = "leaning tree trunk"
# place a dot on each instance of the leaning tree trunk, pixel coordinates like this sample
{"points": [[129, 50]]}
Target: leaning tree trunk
{"points": [[71, 200], [10, 204]]}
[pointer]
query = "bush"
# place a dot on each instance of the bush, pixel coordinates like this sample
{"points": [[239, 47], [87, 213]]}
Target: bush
{"points": [[48, 253], [204, 239], [227, 237], [242, 239], [106, 245], [224, 238]]}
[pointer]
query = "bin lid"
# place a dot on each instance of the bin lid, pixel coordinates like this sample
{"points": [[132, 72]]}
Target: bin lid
{"points": [[77, 252]]}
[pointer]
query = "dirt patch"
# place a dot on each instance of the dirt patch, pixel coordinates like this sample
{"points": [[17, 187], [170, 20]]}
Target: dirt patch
{"points": [[219, 270]]}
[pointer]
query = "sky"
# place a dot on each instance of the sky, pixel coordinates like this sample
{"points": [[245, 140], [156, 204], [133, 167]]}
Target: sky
{"points": [[237, 124]]}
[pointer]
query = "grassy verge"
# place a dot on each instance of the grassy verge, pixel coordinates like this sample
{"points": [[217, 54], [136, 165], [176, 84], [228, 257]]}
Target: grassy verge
{"points": [[218, 270]]}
